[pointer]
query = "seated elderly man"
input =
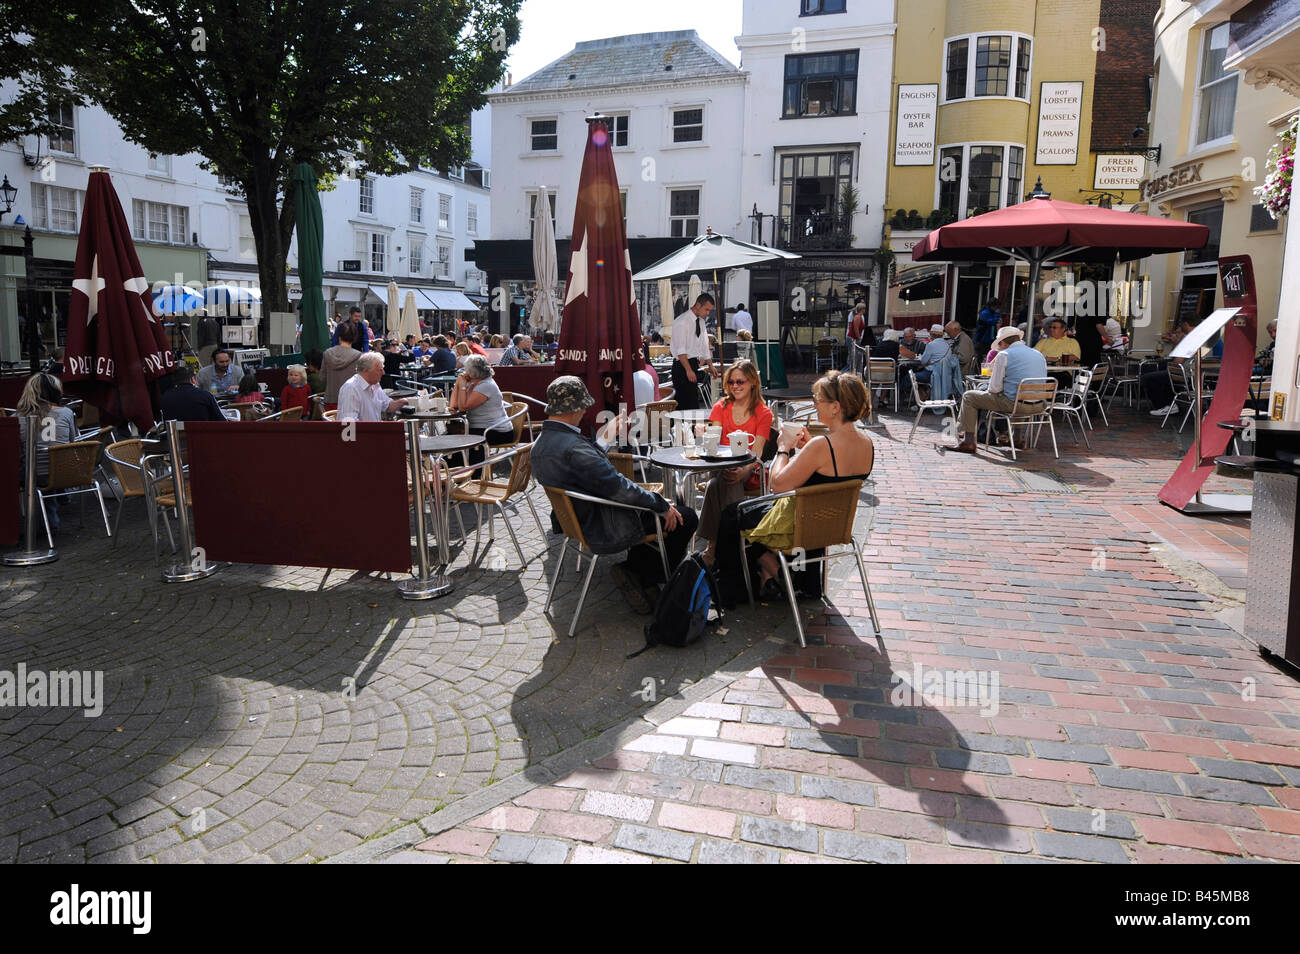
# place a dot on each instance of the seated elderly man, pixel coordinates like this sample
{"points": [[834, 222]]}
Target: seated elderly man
{"points": [[910, 346], [1014, 364], [1057, 348], [361, 398], [520, 351], [562, 457], [184, 402], [222, 375]]}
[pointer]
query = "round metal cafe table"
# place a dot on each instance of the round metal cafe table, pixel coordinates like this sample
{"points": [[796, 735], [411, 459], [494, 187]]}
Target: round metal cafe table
{"points": [[674, 459]]}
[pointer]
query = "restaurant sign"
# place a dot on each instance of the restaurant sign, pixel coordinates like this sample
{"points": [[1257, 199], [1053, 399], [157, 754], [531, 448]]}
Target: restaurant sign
{"points": [[1119, 172], [918, 107], [1060, 107], [1177, 177]]}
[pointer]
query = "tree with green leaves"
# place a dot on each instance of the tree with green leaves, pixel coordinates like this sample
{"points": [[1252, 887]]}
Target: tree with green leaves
{"points": [[349, 86]]}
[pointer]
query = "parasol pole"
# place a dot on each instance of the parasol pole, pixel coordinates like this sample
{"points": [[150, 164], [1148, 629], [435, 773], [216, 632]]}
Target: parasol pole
{"points": [[30, 554], [1035, 264]]}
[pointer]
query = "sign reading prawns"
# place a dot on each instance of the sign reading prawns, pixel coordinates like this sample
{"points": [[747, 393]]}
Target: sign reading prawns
{"points": [[116, 346], [600, 331]]}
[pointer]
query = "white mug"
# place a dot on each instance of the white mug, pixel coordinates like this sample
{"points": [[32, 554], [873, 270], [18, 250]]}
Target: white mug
{"points": [[790, 430], [712, 439]]}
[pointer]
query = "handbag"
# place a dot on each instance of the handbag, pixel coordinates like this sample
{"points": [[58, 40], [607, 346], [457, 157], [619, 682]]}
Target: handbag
{"points": [[776, 530]]}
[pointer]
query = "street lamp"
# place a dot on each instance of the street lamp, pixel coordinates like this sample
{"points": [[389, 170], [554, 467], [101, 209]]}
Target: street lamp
{"points": [[7, 195], [1039, 192]]}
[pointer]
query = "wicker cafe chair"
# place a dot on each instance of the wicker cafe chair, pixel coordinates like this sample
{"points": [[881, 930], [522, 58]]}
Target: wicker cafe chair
{"points": [[823, 518], [534, 407], [496, 494], [124, 458], [72, 472], [562, 506], [1033, 409], [923, 406], [625, 465], [160, 492], [884, 376]]}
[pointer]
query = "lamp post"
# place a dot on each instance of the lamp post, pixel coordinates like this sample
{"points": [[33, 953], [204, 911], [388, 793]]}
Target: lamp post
{"points": [[7, 195]]}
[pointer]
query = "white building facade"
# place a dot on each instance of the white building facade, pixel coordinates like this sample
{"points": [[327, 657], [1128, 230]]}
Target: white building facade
{"points": [[189, 228]]}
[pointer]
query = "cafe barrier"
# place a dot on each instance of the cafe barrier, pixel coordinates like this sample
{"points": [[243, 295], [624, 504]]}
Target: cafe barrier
{"points": [[31, 554], [197, 566], [9, 482], [317, 494]]}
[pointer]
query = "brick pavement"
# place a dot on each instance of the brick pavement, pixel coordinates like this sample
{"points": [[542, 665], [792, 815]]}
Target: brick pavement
{"points": [[475, 734], [1131, 725]]}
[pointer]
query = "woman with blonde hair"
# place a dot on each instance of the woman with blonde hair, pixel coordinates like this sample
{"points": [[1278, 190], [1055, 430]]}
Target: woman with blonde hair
{"points": [[741, 409], [462, 352], [844, 453], [40, 398]]}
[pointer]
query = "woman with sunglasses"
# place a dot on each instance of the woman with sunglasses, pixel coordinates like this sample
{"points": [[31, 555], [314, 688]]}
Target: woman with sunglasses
{"points": [[844, 453], [741, 409]]}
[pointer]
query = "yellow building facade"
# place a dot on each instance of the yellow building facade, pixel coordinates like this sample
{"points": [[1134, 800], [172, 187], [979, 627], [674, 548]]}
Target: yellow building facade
{"points": [[988, 98]]}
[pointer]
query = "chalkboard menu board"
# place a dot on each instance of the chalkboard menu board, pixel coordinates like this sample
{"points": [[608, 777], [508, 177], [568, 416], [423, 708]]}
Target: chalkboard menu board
{"points": [[1189, 304]]}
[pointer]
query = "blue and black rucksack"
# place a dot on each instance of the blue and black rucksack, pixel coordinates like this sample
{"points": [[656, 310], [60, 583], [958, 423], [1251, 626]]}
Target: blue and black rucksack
{"points": [[682, 612]]}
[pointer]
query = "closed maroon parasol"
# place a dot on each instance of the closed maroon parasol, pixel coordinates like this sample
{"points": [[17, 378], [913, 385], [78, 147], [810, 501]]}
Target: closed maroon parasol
{"points": [[600, 331], [116, 347]]}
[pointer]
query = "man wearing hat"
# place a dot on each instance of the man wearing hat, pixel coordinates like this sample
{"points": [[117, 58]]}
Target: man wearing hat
{"points": [[940, 367], [562, 457], [1016, 362]]}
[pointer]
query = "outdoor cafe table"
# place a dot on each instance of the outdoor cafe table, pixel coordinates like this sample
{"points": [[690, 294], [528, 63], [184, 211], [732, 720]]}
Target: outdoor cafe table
{"points": [[439, 447], [674, 459], [784, 397]]}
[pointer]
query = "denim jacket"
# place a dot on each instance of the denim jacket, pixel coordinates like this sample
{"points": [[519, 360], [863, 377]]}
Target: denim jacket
{"points": [[565, 459]]}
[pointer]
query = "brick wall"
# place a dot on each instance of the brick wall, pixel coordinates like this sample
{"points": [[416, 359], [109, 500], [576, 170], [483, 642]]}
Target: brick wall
{"points": [[1120, 85]]}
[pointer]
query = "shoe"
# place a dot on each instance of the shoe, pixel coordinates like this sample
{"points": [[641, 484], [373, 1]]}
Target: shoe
{"points": [[630, 586], [1162, 411], [770, 591], [965, 447]]}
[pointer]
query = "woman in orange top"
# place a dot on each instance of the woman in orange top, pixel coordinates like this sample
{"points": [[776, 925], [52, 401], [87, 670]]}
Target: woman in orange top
{"points": [[741, 409]]}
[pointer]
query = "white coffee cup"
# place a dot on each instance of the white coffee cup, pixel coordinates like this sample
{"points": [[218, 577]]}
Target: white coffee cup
{"points": [[712, 440], [741, 442], [790, 430]]}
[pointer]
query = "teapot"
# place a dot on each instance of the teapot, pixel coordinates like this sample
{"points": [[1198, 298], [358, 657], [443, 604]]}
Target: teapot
{"points": [[741, 442]]}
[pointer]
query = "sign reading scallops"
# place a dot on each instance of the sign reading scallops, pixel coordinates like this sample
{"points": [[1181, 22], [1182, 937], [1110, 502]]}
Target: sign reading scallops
{"points": [[1119, 172], [1060, 106], [918, 105]]}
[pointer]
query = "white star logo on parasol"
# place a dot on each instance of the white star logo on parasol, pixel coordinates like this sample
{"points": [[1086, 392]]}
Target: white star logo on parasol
{"points": [[91, 287], [578, 268], [138, 286]]}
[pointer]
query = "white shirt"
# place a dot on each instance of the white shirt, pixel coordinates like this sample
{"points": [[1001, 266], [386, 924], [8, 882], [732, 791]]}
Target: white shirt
{"points": [[359, 400], [743, 321], [686, 341], [643, 384]]}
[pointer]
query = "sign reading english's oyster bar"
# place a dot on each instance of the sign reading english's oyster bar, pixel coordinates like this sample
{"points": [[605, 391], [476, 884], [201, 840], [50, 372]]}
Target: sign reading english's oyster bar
{"points": [[918, 106], [1060, 107]]}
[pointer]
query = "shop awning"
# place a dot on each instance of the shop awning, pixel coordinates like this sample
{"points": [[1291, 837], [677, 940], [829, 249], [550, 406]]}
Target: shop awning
{"points": [[449, 299], [911, 276]]}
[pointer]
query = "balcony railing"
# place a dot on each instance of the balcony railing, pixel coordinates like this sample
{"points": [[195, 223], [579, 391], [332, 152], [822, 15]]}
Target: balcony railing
{"points": [[824, 231]]}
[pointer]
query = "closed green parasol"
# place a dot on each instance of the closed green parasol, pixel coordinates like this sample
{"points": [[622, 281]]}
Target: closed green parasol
{"points": [[311, 267]]}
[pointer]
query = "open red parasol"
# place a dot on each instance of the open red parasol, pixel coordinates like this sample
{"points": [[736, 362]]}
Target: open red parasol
{"points": [[116, 347], [600, 331]]}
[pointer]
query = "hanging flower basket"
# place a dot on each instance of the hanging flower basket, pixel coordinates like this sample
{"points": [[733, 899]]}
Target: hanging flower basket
{"points": [[1275, 193]]}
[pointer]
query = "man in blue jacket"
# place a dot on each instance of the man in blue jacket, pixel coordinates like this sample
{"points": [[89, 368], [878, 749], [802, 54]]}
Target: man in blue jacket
{"points": [[563, 458]]}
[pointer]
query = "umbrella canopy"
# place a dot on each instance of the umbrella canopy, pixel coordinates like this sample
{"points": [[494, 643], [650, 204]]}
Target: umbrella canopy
{"points": [[709, 252], [666, 315], [600, 334], [410, 324], [176, 300], [116, 347], [546, 313], [1043, 229], [234, 300], [393, 319], [310, 225], [694, 288]]}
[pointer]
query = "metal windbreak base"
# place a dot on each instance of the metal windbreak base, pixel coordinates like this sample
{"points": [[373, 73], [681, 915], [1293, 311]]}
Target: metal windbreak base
{"points": [[30, 557]]}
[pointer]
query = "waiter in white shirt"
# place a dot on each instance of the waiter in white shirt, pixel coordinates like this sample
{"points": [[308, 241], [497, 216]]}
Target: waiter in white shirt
{"points": [[742, 320], [360, 397], [691, 347]]}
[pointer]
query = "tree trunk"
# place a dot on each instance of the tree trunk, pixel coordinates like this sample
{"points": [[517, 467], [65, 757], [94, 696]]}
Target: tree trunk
{"points": [[272, 225]]}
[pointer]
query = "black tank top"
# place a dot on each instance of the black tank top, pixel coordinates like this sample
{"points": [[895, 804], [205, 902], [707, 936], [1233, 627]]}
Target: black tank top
{"points": [[820, 478]]}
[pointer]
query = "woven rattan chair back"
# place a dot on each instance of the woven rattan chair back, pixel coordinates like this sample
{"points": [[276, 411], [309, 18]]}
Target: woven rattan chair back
{"points": [[72, 465], [824, 514]]}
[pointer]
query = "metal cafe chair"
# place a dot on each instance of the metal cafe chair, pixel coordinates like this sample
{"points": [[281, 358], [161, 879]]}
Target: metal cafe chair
{"points": [[824, 515], [562, 506], [884, 377], [1034, 400], [495, 494], [1075, 405], [71, 473], [923, 406], [124, 458]]}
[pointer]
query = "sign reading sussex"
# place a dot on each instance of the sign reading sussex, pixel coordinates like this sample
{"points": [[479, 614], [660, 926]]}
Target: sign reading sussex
{"points": [[1060, 107], [918, 105]]}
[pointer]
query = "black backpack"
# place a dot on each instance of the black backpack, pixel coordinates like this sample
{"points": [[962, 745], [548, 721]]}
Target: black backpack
{"points": [[682, 613]]}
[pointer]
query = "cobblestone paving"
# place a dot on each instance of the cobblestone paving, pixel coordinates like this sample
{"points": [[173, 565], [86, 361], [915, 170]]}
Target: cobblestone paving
{"points": [[1131, 725], [256, 716]]}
